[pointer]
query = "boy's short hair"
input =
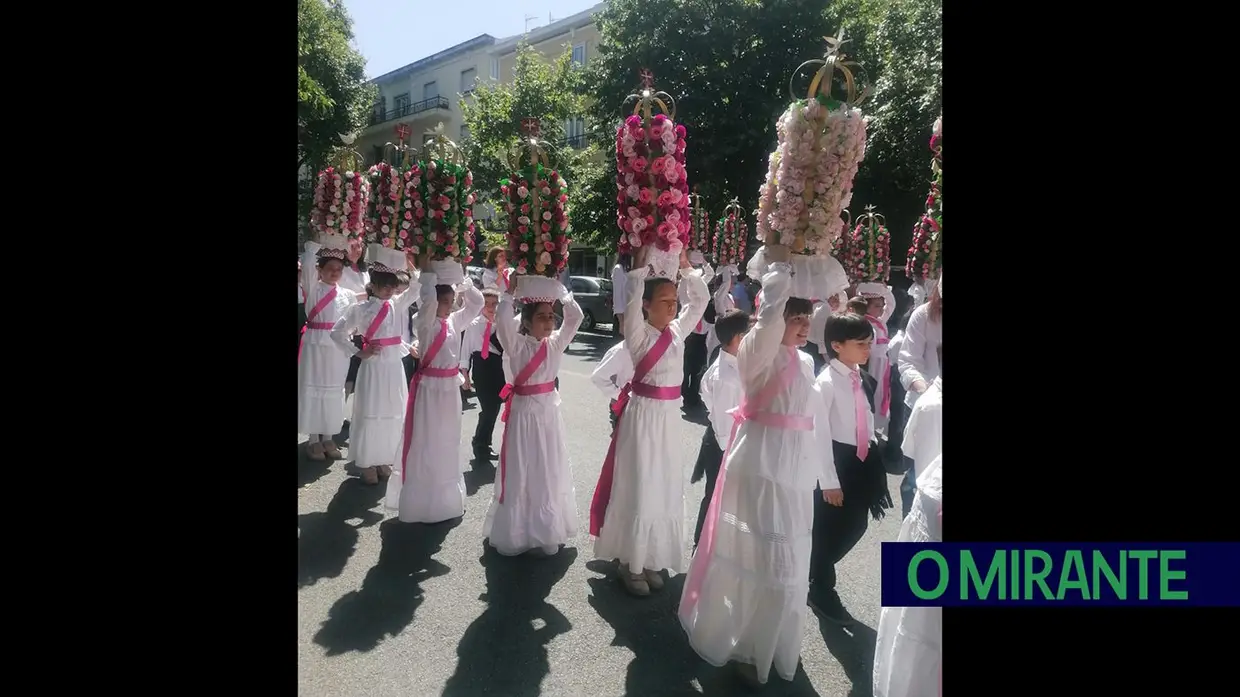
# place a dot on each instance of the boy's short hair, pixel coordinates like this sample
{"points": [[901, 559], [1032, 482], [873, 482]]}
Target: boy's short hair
{"points": [[858, 305], [489, 293], [798, 306], [732, 324], [845, 326], [443, 290]]}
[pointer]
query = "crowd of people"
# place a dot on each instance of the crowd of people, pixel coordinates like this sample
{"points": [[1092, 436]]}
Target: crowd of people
{"points": [[811, 404]]}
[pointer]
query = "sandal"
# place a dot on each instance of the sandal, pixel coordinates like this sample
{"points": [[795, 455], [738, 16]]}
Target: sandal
{"points": [[635, 584], [331, 449]]}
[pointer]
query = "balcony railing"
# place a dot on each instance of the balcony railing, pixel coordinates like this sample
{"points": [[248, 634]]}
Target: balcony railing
{"points": [[410, 110], [576, 142]]}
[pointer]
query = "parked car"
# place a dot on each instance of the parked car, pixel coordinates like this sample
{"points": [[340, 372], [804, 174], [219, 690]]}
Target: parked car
{"points": [[594, 296], [475, 275]]}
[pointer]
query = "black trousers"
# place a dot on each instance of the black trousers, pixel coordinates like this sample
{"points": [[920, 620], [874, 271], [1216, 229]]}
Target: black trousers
{"points": [[488, 379], [709, 460], [411, 364], [837, 529], [695, 364]]}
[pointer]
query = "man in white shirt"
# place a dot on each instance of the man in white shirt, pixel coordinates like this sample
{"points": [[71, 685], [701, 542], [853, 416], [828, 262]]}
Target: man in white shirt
{"points": [[923, 435], [619, 292], [722, 390], [612, 374]]}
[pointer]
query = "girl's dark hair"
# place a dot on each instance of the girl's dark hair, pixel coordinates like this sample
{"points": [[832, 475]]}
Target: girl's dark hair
{"points": [[652, 286], [625, 261], [733, 324], [936, 305], [323, 261], [492, 253], [798, 306], [528, 310], [383, 279], [858, 305], [845, 326], [442, 290]]}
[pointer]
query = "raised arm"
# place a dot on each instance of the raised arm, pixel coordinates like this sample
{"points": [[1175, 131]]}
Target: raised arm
{"points": [[473, 305], [507, 322], [634, 322], [760, 346], [401, 302], [309, 270], [723, 294], [697, 296], [344, 329], [426, 322], [562, 337]]}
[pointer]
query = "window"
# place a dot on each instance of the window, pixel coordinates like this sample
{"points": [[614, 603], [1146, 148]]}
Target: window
{"points": [[379, 111], [579, 55], [430, 90], [402, 104], [580, 285], [468, 76], [575, 132], [494, 68], [464, 132]]}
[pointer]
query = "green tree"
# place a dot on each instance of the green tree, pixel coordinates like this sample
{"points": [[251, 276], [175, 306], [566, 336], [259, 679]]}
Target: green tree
{"points": [[728, 64], [333, 97], [550, 92]]}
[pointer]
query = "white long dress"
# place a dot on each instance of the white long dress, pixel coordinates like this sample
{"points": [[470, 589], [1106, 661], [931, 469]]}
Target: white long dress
{"points": [[908, 652], [380, 393], [751, 587], [645, 519], [540, 504], [436, 490], [322, 365]]}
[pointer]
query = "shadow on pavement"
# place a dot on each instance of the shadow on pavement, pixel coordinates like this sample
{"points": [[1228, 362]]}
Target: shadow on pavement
{"points": [[663, 662], [392, 590], [504, 651], [309, 471], [326, 540], [481, 473], [590, 347], [853, 647]]}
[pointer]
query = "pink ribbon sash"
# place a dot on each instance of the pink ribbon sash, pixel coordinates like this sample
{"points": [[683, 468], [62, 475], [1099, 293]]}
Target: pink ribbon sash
{"points": [[602, 490], [424, 369], [749, 410], [367, 338], [881, 339], [519, 387], [315, 312]]}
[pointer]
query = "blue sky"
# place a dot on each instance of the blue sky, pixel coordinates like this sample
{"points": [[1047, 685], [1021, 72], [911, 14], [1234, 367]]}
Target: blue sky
{"points": [[392, 33]]}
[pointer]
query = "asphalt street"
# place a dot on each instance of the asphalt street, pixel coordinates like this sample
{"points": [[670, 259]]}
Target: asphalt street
{"points": [[389, 609]]}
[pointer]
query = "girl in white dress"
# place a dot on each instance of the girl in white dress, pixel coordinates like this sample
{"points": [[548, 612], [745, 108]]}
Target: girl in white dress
{"points": [[744, 597], [431, 438], [880, 304], [381, 390], [908, 653], [638, 510], [534, 506], [321, 364]]}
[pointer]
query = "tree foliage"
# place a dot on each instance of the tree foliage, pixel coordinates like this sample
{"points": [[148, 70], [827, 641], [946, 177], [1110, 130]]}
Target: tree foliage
{"points": [[728, 64], [333, 97], [550, 92]]}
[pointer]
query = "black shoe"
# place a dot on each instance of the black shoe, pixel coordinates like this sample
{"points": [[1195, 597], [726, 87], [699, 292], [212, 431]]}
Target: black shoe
{"points": [[485, 455], [828, 606]]}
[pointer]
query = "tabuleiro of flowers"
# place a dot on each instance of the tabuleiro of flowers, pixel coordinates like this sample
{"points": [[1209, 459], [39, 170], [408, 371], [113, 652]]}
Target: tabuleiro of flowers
{"points": [[447, 193], [652, 193], [867, 255], [925, 254], [810, 175], [394, 211], [731, 232], [536, 200], [340, 196], [700, 237]]}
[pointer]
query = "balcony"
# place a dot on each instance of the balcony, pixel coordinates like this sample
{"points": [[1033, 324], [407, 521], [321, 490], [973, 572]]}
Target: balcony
{"points": [[410, 110], [576, 142]]}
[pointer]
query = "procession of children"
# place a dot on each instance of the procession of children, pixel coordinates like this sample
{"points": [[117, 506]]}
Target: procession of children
{"points": [[812, 400]]}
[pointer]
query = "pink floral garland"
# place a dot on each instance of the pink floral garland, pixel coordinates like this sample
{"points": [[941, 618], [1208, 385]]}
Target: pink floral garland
{"points": [[538, 223], [821, 145], [701, 229], [868, 253], [729, 243], [925, 252], [652, 196], [447, 191], [339, 203], [391, 219]]}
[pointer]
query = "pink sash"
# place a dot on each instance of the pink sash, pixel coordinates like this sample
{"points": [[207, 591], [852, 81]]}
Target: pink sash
{"points": [[747, 411], [424, 369], [884, 407], [602, 490], [519, 387], [314, 312], [374, 325]]}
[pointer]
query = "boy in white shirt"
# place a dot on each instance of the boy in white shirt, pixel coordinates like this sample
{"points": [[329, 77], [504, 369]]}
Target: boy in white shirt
{"points": [[923, 434], [612, 374], [840, 521], [481, 350], [722, 390]]}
